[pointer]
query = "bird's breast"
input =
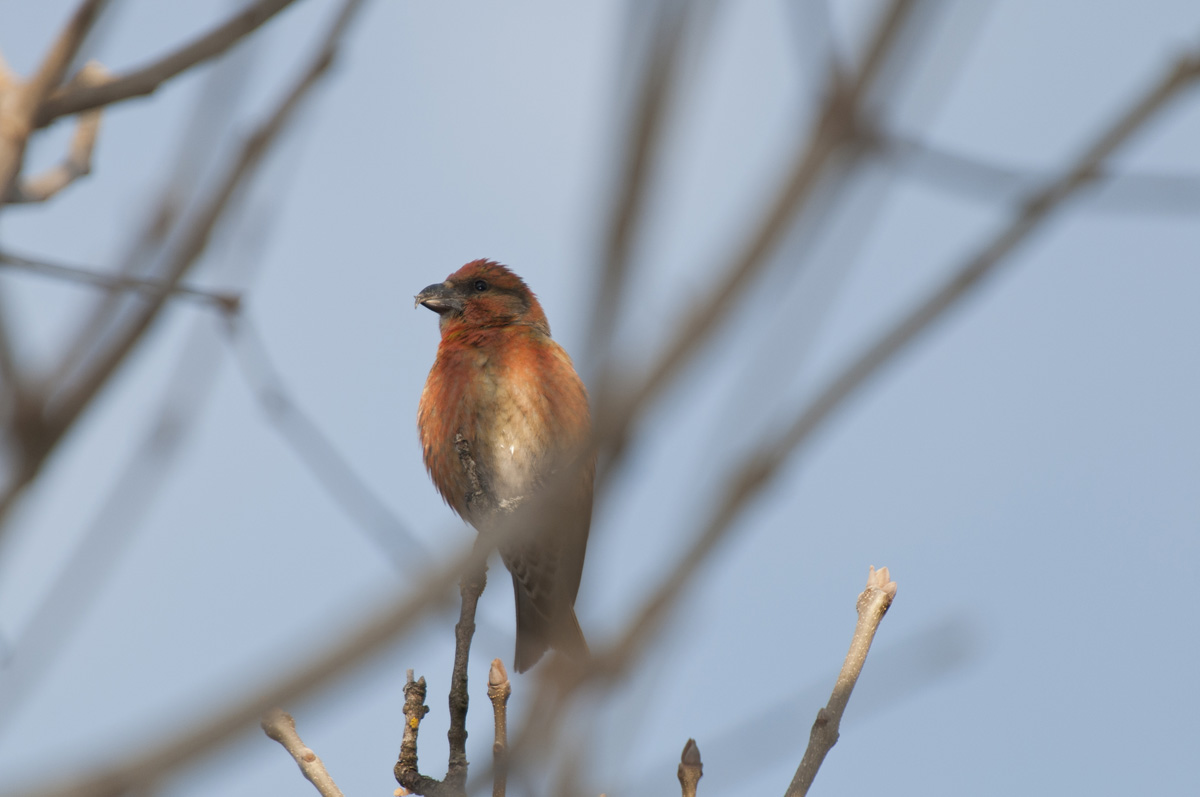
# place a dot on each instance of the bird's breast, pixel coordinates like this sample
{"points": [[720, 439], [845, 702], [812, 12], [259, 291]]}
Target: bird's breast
{"points": [[520, 408]]}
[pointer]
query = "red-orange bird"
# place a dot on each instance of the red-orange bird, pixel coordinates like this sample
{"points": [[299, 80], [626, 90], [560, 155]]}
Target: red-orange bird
{"points": [[505, 394]]}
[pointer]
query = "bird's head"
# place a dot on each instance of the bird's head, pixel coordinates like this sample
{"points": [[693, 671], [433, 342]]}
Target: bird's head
{"points": [[483, 293]]}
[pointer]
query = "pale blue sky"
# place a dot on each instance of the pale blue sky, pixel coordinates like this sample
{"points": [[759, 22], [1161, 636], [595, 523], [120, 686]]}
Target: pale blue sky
{"points": [[1029, 470]]}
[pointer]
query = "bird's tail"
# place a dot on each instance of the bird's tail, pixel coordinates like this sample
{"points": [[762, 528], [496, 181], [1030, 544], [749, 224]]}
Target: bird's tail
{"points": [[536, 632]]}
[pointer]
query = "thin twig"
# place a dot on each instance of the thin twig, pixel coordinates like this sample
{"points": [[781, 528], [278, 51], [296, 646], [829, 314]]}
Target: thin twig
{"points": [[280, 726], [499, 690], [691, 768], [470, 587], [872, 604], [223, 301], [147, 79]]}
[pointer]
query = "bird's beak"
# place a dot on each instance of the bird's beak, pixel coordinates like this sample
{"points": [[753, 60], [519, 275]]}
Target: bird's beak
{"points": [[440, 299]]}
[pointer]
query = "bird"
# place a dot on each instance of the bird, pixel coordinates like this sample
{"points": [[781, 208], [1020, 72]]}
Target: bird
{"points": [[504, 423]]}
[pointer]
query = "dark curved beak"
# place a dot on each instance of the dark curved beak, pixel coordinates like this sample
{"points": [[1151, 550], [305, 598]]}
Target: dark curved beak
{"points": [[439, 298]]}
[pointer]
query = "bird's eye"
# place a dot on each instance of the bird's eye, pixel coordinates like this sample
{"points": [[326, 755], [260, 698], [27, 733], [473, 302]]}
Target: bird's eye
{"points": [[480, 286]]}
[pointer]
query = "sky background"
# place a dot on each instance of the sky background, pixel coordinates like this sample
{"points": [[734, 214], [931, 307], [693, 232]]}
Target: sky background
{"points": [[1029, 470]]}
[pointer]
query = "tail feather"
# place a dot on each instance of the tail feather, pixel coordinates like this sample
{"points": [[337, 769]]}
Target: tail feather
{"points": [[536, 633]]}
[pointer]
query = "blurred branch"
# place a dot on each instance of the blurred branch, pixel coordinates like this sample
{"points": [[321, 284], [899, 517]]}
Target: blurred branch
{"points": [[78, 162], [20, 103], [653, 97], [224, 301], [195, 162], [872, 604], [836, 131], [317, 452], [146, 80], [499, 690], [992, 182], [760, 468], [68, 598], [58, 418], [691, 768], [152, 762], [280, 726]]}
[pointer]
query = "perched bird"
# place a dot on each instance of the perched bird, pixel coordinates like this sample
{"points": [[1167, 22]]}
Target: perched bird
{"points": [[504, 421]]}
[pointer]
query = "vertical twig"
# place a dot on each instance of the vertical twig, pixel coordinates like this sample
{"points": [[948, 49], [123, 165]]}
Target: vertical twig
{"points": [[499, 690], [873, 603], [471, 587]]}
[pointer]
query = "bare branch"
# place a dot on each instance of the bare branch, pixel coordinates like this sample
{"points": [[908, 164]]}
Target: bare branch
{"points": [[406, 771], [499, 690], [691, 769], [470, 587], [78, 162], [60, 416], [224, 301], [378, 630], [280, 726], [758, 469], [20, 104], [873, 603], [653, 99], [836, 131], [146, 80], [992, 182]]}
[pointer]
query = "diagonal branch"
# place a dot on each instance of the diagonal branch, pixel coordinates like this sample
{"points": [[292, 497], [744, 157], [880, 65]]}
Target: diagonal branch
{"points": [[641, 147], [146, 80], [756, 472], [759, 469], [836, 131]]}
